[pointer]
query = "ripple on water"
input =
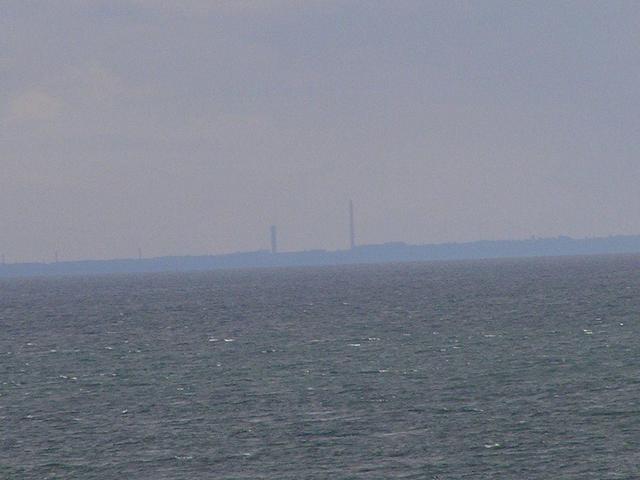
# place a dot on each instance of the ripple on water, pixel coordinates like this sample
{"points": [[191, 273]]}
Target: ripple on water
{"points": [[534, 403]]}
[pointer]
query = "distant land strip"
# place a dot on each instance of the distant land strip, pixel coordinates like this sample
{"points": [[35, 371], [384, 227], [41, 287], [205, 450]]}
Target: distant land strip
{"points": [[364, 254]]}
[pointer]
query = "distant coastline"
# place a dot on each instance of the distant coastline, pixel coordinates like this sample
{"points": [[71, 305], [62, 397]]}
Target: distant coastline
{"points": [[365, 254]]}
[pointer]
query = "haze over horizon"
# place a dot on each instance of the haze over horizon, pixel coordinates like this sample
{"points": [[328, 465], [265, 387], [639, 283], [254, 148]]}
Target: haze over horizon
{"points": [[189, 127]]}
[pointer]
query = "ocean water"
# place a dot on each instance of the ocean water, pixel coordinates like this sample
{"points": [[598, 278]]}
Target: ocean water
{"points": [[514, 369]]}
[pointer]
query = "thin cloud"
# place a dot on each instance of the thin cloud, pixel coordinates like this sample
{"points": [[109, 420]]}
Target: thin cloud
{"points": [[198, 7], [34, 105]]}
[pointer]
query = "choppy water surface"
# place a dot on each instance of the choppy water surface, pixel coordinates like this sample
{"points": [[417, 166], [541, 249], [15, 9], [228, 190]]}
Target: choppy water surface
{"points": [[525, 369]]}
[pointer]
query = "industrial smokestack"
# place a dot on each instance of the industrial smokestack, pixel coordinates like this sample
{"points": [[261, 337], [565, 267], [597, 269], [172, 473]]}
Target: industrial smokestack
{"points": [[352, 234], [274, 239]]}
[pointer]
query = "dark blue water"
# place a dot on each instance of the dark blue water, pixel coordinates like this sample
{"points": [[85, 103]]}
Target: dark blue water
{"points": [[524, 369]]}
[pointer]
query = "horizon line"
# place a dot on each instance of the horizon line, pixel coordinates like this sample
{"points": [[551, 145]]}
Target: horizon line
{"points": [[138, 258]]}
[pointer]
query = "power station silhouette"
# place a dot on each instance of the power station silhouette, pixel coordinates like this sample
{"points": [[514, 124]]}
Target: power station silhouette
{"points": [[352, 254]]}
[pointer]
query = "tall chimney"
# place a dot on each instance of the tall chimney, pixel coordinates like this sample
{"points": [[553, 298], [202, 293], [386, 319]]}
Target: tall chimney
{"points": [[274, 239]]}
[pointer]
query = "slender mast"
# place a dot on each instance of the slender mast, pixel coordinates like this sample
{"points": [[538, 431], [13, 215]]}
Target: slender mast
{"points": [[352, 234]]}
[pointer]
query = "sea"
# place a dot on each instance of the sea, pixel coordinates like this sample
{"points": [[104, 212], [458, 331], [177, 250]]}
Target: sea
{"points": [[486, 369]]}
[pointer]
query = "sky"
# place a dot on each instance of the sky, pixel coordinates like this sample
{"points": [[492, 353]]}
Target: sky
{"points": [[190, 126]]}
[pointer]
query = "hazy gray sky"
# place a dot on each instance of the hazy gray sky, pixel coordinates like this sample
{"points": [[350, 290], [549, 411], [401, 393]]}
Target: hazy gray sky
{"points": [[190, 126]]}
